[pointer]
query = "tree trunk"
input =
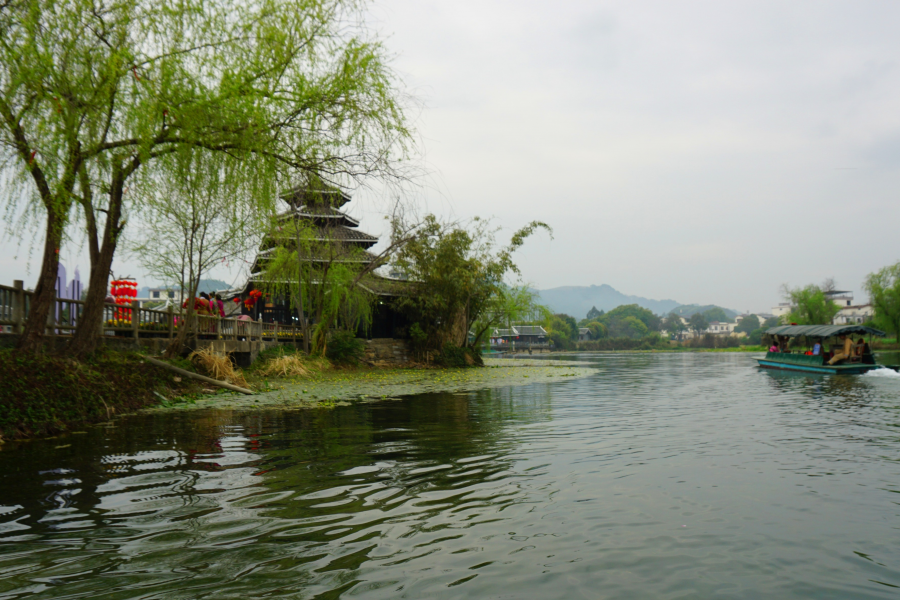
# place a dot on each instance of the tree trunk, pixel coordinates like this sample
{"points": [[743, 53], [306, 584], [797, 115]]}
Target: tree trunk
{"points": [[45, 291], [86, 339]]}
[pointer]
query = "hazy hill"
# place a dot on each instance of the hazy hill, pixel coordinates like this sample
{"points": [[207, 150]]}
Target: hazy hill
{"points": [[686, 310], [578, 300]]}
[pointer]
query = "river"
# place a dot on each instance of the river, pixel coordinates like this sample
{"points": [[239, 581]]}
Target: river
{"points": [[661, 476]]}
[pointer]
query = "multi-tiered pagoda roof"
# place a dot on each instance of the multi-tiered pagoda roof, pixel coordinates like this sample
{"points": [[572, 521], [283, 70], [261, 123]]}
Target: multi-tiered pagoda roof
{"points": [[318, 208]]}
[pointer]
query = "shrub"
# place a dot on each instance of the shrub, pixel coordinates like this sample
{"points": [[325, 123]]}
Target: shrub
{"points": [[714, 341], [456, 357], [344, 348], [46, 394], [650, 342]]}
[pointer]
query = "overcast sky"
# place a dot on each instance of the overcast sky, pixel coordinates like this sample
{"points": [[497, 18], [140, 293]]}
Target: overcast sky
{"points": [[706, 152]]}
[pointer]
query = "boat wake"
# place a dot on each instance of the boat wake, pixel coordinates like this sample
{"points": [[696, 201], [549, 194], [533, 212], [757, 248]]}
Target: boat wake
{"points": [[884, 372]]}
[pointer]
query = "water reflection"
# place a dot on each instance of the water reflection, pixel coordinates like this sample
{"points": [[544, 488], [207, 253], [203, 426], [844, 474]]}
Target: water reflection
{"points": [[663, 475]]}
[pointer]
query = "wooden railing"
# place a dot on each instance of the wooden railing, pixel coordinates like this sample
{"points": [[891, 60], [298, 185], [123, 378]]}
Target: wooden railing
{"points": [[133, 321]]}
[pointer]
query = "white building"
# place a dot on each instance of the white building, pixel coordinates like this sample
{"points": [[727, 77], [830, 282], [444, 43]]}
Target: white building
{"points": [[781, 310], [854, 314], [717, 328]]}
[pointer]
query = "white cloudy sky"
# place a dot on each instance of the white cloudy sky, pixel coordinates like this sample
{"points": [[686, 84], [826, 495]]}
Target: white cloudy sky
{"points": [[706, 152]]}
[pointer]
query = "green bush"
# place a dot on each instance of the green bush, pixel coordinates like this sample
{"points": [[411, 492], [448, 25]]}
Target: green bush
{"points": [[46, 394], [654, 341], [345, 348], [714, 341], [456, 357]]}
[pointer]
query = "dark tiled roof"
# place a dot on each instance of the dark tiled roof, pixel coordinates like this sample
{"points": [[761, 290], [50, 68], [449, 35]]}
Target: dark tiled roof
{"points": [[343, 234], [530, 330], [319, 193], [318, 212]]}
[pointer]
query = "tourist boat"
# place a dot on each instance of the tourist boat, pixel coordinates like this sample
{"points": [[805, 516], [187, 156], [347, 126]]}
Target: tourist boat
{"points": [[800, 361]]}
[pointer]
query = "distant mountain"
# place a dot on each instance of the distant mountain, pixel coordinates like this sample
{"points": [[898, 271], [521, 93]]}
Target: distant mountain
{"points": [[686, 310], [578, 300]]}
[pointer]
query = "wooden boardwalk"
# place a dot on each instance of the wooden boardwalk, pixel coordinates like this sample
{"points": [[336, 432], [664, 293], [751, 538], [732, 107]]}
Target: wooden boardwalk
{"points": [[146, 327]]}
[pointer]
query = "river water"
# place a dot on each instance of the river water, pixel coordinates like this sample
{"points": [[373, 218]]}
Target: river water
{"points": [[662, 476]]}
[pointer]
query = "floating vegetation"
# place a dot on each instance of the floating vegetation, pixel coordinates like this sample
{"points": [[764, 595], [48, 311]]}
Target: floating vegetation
{"points": [[340, 387]]}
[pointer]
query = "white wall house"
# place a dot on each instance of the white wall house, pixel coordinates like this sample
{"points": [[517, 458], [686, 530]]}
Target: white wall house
{"points": [[782, 309], [717, 328], [855, 314]]}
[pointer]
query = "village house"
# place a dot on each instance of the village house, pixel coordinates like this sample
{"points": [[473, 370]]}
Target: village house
{"points": [[717, 328], [521, 336], [854, 315]]}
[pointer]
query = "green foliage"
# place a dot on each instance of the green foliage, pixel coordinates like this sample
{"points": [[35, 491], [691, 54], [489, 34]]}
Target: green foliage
{"points": [[716, 314], [755, 337], [627, 327], [344, 348], [698, 323], [630, 321], [598, 330], [748, 324], [418, 338], [43, 394], [809, 306], [771, 322], [653, 341], [713, 341], [459, 275], [562, 330], [593, 314], [883, 287], [673, 324], [453, 356], [93, 95], [330, 285], [510, 304]]}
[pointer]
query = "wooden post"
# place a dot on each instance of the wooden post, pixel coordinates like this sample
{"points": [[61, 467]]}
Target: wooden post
{"points": [[136, 319], [19, 306], [294, 333], [171, 322], [276, 332]]}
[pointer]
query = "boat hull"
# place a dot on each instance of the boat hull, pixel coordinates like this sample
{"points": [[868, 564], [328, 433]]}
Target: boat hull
{"points": [[812, 364]]}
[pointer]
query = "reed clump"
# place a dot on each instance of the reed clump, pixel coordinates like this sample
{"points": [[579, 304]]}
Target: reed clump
{"points": [[290, 364], [218, 366]]}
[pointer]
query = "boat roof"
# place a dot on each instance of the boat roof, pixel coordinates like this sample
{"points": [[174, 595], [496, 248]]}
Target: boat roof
{"points": [[823, 331]]}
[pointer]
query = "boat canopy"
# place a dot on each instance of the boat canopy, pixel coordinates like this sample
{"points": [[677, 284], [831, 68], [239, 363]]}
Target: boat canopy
{"points": [[823, 331]]}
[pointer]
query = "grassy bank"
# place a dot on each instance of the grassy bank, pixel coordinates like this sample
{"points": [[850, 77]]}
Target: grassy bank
{"points": [[47, 394]]}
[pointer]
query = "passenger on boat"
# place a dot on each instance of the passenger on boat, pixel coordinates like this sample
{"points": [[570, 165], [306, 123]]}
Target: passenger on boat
{"points": [[845, 353], [817, 348], [774, 347]]}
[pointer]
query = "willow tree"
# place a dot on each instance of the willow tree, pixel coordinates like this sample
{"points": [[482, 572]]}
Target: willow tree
{"points": [[93, 92], [192, 222]]}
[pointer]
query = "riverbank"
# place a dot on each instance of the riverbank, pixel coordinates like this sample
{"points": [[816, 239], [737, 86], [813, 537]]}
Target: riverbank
{"points": [[344, 386], [45, 395]]}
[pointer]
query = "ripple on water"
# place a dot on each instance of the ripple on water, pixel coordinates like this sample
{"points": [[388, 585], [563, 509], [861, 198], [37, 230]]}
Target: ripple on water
{"points": [[686, 475]]}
